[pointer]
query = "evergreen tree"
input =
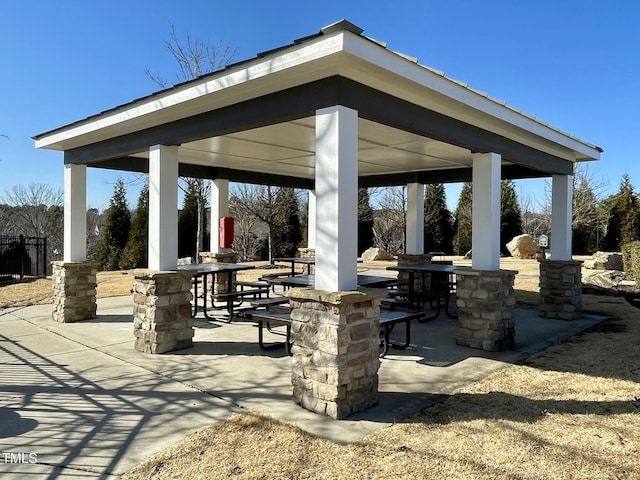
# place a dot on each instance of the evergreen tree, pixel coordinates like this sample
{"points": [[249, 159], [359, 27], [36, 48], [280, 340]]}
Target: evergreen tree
{"points": [[462, 234], [624, 220], [116, 230], [365, 221], [438, 230], [136, 251], [286, 235], [510, 216], [188, 224]]}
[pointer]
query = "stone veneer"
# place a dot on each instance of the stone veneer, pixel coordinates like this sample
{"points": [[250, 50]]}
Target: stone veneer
{"points": [[485, 309], [307, 252], [221, 279], [162, 311], [414, 259], [74, 291], [335, 350], [560, 289]]}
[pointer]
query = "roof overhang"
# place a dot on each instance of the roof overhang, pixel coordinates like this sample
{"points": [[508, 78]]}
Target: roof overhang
{"points": [[258, 117]]}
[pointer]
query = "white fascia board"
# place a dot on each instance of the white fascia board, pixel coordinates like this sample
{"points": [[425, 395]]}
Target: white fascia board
{"points": [[459, 92], [187, 96]]}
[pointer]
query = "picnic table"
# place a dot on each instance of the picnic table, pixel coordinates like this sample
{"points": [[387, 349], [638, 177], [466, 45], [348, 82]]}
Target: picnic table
{"points": [[306, 262], [440, 285], [206, 271]]}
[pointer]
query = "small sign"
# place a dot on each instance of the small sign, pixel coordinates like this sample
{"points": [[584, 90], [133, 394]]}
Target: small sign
{"points": [[543, 241]]}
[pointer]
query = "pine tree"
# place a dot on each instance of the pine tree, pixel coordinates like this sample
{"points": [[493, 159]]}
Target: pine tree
{"points": [[462, 234], [188, 224], [136, 251], [116, 230], [624, 221], [510, 216], [286, 235], [365, 221], [438, 230]]}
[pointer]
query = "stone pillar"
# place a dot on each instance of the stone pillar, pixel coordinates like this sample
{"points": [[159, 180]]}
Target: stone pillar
{"points": [[162, 311], [560, 289], [74, 291], [306, 252], [485, 309], [221, 278], [413, 259], [336, 340]]}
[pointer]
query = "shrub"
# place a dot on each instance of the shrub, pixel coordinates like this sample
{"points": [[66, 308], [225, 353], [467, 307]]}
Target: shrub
{"points": [[631, 260]]}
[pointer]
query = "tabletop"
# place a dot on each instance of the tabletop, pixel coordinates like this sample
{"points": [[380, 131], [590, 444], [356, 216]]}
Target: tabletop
{"points": [[429, 268], [309, 280], [216, 267]]}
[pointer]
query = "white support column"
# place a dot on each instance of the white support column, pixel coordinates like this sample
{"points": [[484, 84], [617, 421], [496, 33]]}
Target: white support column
{"points": [[336, 199], [485, 242], [311, 220], [561, 216], [415, 218], [219, 209], [163, 207], [75, 213]]}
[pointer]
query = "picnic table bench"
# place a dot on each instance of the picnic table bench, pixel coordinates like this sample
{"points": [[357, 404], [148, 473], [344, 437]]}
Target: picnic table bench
{"points": [[388, 320]]}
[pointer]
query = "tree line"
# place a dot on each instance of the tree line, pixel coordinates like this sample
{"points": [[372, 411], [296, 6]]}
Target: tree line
{"points": [[272, 222]]}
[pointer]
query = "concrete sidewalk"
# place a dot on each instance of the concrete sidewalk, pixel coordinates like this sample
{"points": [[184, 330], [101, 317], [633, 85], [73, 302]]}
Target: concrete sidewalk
{"points": [[79, 402]]}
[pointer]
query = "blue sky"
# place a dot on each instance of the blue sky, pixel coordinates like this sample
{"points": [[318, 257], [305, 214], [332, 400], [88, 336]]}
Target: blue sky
{"points": [[574, 64]]}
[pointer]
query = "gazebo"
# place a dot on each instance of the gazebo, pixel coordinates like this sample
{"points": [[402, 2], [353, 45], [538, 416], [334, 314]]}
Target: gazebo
{"points": [[329, 113]]}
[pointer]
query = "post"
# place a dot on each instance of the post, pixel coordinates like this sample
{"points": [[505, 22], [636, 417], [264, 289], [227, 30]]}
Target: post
{"points": [[415, 218], [163, 207], [485, 242]]}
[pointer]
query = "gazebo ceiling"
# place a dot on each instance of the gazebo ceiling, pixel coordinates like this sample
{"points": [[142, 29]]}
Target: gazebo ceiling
{"points": [[255, 121]]}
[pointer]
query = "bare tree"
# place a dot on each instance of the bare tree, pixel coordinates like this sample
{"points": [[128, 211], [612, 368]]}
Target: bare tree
{"points": [[390, 219], [259, 201], [32, 206], [588, 191], [245, 242], [195, 57]]}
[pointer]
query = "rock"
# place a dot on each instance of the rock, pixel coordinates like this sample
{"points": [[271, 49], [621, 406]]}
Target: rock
{"points": [[371, 254], [522, 246], [186, 261], [608, 280], [605, 261]]}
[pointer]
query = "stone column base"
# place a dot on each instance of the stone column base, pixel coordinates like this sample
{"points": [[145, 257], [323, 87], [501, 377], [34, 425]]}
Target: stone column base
{"points": [[336, 339], [162, 311], [307, 252], [74, 291], [560, 289], [221, 279], [223, 257], [485, 309], [414, 259]]}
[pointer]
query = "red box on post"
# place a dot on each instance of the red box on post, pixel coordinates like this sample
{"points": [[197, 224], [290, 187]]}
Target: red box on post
{"points": [[226, 232]]}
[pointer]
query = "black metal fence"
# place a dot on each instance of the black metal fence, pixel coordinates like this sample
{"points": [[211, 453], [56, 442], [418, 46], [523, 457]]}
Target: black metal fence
{"points": [[22, 257]]}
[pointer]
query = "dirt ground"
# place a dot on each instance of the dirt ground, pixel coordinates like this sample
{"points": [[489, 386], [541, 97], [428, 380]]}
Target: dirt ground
{"points": [[569, 412]]}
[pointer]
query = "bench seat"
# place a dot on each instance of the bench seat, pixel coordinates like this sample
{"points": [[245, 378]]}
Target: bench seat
{"points": [[391, 318]]}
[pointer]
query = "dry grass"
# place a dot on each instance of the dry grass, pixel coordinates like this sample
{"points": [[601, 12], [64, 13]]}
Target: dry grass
{"points": [[570, 412]]}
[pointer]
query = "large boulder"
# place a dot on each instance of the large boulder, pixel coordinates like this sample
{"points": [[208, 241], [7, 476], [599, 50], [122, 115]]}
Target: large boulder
{"points": [[607, 280], [605, 261], [374, 253], [522, 246]]}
